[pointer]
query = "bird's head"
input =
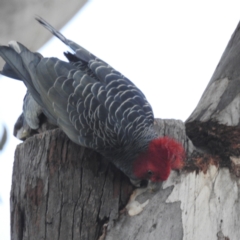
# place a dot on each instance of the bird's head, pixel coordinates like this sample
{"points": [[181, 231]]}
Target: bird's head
{"points": [[162, 155]]}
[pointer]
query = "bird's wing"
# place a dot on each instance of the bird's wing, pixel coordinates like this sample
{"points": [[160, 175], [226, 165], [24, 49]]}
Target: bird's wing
{"points": [[80, 52], [137, 111], [94, 105]]}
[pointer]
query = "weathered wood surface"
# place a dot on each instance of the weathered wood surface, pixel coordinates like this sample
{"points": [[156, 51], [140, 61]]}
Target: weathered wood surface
{"points": [[189, 206], [63, 191], [200, 202], [209, 203], [210, 200], [214, 124]]}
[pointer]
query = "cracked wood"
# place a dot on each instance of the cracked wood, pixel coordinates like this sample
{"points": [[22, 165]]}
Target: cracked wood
{"points": [[63, 191]]}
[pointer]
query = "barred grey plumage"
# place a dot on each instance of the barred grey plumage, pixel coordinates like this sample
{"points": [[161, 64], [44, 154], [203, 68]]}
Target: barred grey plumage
{"points": [[95, 105]]}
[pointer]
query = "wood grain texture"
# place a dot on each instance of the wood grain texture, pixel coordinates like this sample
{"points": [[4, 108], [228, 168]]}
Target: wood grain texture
{"points": [[210, 203], [63, 191]]}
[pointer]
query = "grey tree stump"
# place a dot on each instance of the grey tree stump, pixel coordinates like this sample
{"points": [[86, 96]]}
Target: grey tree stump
{"points": [[63, 191]]}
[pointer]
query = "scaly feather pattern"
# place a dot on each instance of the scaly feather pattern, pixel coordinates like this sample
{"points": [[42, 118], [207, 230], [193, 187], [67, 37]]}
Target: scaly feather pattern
{"points": [[95, 105]]}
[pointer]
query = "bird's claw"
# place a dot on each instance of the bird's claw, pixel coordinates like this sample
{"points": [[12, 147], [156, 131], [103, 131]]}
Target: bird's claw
{"points": [[134, 207]]}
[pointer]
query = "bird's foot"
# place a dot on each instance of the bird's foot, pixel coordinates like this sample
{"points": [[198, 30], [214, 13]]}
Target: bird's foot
{"points": [[104, 232]]}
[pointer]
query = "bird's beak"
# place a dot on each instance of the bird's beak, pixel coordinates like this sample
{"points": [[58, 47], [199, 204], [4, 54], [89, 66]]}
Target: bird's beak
{"points": [[135, 182], [140, 183]]}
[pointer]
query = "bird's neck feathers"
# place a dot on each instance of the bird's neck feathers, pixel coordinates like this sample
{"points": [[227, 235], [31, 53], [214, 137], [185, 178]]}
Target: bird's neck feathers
{"points": [[162, 155]]}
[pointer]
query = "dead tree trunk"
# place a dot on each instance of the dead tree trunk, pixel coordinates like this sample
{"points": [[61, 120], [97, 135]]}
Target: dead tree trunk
{"points": [[63, 191], [214, 127]]}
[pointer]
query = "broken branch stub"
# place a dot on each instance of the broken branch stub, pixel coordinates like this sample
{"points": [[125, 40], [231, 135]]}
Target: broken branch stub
{"points": [[214, 124]]}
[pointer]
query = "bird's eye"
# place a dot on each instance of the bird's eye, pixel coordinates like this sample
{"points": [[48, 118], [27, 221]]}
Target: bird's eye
{"points": [[150, 173]]}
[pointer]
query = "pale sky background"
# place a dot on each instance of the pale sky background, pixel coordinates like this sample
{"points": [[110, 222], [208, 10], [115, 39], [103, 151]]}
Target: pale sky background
{"points": [[169, 49]]}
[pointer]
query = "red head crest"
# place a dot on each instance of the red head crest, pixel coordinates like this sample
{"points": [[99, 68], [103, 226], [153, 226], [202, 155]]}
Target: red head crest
{"points": [[155, 164]]}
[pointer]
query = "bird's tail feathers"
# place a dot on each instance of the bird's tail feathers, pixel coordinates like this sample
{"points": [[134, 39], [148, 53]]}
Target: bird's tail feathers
{"points": [[80, 52], [51, 29]]}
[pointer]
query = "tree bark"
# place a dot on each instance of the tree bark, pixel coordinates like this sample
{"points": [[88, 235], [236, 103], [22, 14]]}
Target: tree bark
{"points": [[63, 191], [214, 124]]}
